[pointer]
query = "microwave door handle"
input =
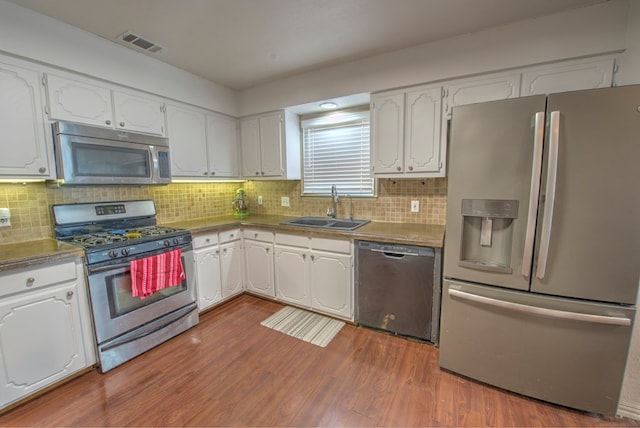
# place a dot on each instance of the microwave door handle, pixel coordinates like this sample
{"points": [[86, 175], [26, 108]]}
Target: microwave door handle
{"points": [[552, 173], [534, 194]]}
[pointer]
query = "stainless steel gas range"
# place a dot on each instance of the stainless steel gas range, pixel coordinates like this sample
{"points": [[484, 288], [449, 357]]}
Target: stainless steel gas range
{"points": [[115, 235]]}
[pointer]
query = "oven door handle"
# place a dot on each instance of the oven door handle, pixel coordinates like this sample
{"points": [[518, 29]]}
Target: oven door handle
{"points": [[177, 315], [109, 267]]}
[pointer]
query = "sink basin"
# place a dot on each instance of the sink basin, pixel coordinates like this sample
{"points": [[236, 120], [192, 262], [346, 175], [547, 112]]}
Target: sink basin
{"points": [[326, 223]]}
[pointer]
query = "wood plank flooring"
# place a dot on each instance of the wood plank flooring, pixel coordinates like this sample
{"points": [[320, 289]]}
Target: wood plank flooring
{"points": [[231, 371]]}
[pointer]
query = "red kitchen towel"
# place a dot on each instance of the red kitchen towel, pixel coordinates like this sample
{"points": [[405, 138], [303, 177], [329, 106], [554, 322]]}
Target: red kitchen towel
{"points": [[154, 273]]}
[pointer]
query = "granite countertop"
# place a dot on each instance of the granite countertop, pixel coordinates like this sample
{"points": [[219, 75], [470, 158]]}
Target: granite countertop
{"points": [[25, 254], [430, 235]]}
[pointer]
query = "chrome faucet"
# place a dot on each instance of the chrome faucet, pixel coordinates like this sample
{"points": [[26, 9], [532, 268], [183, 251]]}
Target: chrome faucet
{"points": [[332, 212]]}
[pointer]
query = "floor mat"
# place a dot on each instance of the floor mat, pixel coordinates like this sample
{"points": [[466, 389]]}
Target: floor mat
{"points": [[304, 325]]}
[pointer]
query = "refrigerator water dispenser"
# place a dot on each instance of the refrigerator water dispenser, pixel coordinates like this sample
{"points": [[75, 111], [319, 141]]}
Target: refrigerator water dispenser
{"points": [[487, 234]]}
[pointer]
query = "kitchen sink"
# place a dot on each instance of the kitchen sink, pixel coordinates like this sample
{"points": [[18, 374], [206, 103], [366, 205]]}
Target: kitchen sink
{"points": [[326, 223]]}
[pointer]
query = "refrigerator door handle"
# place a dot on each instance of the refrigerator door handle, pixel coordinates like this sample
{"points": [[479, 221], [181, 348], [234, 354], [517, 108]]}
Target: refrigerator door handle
{"points": [[552, 173], [544, 312], [534, 194]]}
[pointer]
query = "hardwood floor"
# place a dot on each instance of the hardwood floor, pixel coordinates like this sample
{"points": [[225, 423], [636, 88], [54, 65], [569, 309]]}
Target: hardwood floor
{"points": [[231, 371]]}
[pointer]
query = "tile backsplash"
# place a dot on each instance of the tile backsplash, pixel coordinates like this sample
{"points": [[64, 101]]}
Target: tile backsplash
{"points": [[31, 216]]}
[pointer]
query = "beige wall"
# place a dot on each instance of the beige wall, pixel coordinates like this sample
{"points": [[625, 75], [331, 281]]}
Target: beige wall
{"points": [[31, 219]]}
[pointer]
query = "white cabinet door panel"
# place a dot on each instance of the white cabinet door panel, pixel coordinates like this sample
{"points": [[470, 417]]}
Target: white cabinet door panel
{"points": [[231, 268], [187, 141], [272, 138], [388, 133], [292, 275], [24, 145], [422, 135], [137, 113], [573, 76], [259, 267], [222, 139], [331, 280], [77, 101], [208, 276]]}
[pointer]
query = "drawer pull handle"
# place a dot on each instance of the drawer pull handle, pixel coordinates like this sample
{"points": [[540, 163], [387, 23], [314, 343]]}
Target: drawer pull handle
{"points": [[30, 281]]}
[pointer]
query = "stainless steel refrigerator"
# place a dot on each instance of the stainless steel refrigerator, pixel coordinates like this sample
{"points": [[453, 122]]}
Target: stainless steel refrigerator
{"points": [[542, 249]]}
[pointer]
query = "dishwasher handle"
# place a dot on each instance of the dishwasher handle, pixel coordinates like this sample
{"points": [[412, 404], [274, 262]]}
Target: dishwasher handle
{"points": [[391, 255]]}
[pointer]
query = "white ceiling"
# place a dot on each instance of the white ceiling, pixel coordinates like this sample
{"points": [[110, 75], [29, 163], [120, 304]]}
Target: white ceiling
{"points": [[243, 43]]}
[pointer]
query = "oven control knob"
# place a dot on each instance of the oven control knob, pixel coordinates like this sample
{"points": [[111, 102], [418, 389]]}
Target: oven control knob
{"points": [[166, 243], [113, 254], [175, 241], [125, 251]]}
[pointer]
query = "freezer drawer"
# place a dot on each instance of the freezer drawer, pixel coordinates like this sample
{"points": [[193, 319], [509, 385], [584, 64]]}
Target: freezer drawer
{"points": [[564, 351]]}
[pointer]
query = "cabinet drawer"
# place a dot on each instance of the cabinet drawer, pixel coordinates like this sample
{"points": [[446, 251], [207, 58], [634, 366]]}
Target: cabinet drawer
{"points": [[229, 235], [258, 235], [295, 240], [37, 277], [205, 240], [334, 245]]}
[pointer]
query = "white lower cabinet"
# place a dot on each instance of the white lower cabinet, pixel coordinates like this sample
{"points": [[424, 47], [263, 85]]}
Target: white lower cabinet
{"points": [[330, 281], [45, 328], [231, 268], [258, 259], [219, 266], [315, 273], [292, 275], [207, 257]]}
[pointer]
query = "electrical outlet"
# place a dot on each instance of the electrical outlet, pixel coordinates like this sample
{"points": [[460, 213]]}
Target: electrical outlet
{"points": [[284, 201], [415, 206], [260, 200]]}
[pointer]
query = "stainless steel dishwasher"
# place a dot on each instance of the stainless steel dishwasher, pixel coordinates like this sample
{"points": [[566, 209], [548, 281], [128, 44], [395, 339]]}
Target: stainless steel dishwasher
{"points": [[398, 289]]}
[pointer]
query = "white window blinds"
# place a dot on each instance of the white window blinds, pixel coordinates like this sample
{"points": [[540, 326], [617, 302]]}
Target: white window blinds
{"points": [[336, 151]]}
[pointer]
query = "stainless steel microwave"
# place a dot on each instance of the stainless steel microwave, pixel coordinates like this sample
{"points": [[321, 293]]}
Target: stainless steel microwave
{"points": [[92, 155]]}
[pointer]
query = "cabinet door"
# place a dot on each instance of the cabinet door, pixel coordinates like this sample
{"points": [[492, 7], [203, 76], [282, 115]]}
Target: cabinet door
{"points": [[573, 76], [23, 144], [422, 131], [292, 275], [250, 142], [387, 133], [231, 268], [79, 101], [272, 145], [40, 340], [208, 276], [259, 267], [187, 141], [482, 89], [138, 113], [222, 142], [331, 283]]}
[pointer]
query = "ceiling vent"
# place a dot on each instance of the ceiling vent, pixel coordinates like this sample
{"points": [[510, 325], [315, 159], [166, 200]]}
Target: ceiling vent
{"points": [[133, 39]]}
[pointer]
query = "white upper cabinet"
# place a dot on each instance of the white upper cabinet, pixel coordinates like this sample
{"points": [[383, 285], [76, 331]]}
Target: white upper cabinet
{"points": [[270, 146], [90, 102], [204, 145], [26, 152], [406, 133], [489, 87], [79, 101], [187, 141], [137, 113], [222, 144], [568, 76]]}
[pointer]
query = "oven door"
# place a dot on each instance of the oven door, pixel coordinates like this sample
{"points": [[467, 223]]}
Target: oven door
{"points": [[116, 311], [86, 160]]}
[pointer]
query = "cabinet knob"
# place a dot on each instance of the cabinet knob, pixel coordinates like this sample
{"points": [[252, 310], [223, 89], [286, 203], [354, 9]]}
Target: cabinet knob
{"points": [[304, 257], [42, 170], [255, 235], [224, 251], [262, 173], [313, 257], [410, 168], [257, 173], [213, 173], [108, 122], [207, 240], [69, 294], [398, 168], [217, 251], [267, 249], [121, 123], [30, 281], [231, 236], [206, 173]]}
